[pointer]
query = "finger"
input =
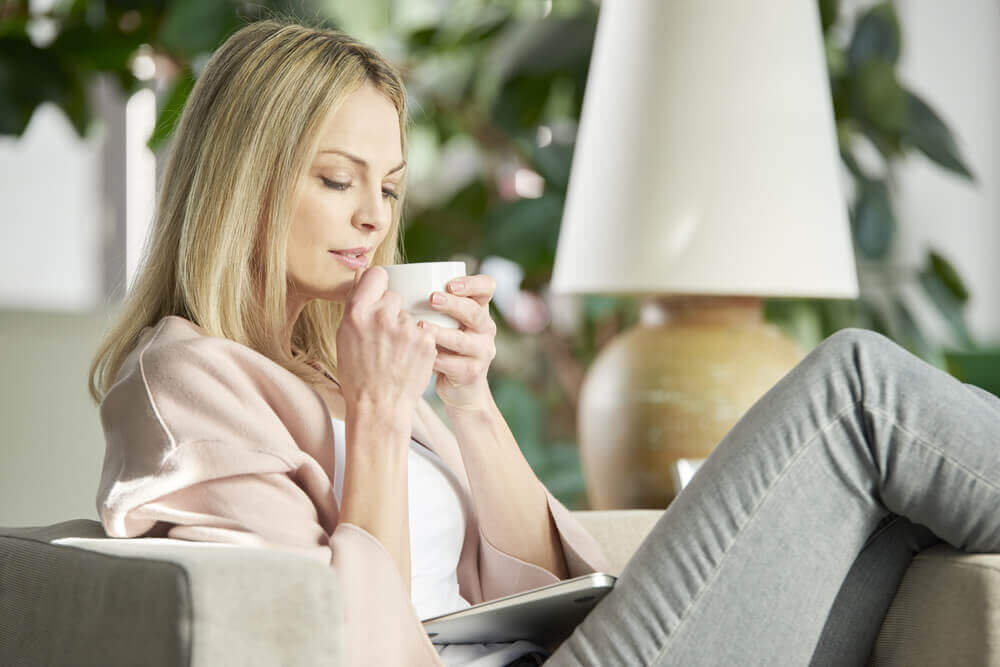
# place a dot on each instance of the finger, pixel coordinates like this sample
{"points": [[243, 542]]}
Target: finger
{"points": [[453, 340], [458, 369], [371, 286], [480, 287], [391, 301], [467, 311]]}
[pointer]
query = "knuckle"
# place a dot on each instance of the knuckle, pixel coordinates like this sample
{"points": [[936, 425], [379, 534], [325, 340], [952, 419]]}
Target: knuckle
{"points": [[392, 300], [354, 316], [427, 341]]}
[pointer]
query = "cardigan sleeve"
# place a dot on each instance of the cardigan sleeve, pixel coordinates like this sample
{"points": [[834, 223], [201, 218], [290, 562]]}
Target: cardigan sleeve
{"points": [[243, 481]]}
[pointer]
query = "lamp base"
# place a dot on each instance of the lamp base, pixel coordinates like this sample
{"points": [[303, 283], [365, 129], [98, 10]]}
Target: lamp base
{"points": [[671, 388]]}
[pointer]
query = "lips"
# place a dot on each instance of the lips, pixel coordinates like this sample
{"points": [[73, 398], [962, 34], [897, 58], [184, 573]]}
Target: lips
{"points": [[355, 258], [353, 252]]}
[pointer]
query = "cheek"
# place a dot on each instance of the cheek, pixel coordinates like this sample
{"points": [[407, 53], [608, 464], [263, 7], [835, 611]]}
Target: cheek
{"points": [[312, 218]]}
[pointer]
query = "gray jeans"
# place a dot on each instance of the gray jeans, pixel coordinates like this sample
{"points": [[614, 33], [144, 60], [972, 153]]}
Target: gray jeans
{"points": [[787, 546]]}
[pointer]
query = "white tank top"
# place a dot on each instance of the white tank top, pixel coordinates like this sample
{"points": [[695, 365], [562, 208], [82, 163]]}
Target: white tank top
{"points": [[437, 527], [437, 531]]}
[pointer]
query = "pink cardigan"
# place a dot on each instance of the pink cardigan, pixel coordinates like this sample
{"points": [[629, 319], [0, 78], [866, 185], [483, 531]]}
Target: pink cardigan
{"points": [[209, 440]]}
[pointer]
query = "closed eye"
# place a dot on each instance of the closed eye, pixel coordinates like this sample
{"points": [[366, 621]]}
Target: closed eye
{"points": [[334, 185]]}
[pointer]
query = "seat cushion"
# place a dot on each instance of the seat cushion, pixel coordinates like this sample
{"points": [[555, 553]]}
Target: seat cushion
{"points": [[946, 612], [69, 595]]}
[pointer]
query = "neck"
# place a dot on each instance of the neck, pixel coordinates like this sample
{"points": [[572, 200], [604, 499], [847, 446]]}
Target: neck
{"points": [[293, 310]]}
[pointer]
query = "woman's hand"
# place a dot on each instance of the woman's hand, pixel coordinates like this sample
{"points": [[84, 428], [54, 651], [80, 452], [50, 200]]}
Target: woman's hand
{"points": [[382, 355], [464, 354]]}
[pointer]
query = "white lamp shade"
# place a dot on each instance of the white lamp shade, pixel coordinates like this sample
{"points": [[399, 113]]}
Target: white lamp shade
{"points": [[706, 159]]}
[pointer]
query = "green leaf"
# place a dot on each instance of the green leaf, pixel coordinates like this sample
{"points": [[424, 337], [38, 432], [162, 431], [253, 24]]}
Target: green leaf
{"points": [[191, 27], [852, 164], [74, 105], [14, 26], [800, 319], [555, 46], [521, 102], [877, 97], [523, 413], [553, 49], [872, 221], [980, 367], [487, 27], [172, 107], [872, 317], [454, 227], [927, 133], [829, 10], [876, 36], [836, 58], [907, 331], [947, 304], [943, 269], [95, 50], [552, 162], [526, 231], [421, 40], [29, 76]]}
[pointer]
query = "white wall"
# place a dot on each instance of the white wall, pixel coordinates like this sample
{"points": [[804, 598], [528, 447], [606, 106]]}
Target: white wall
{"points": [[51, 443], [951, 53], [49, 221]]}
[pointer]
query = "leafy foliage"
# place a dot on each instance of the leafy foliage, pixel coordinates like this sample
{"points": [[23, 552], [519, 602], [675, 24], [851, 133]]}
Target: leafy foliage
{"points": [[872, 106], [492, 77]]}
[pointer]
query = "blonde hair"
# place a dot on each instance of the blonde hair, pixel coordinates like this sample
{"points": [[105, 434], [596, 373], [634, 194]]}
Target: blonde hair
{"points": [[216, 251]]}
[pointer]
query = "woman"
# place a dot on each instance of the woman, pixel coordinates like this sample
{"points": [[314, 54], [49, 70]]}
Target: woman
{"points": [[261, 386]]}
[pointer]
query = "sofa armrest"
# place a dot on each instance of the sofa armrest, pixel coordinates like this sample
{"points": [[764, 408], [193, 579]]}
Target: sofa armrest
{"points": [[619, 532], [69, 596], [945, 612]]}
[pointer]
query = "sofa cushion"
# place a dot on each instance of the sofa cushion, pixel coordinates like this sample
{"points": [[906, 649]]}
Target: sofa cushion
{"points": [[68, 595], [63, 606], [946, 612], [619, 533]]}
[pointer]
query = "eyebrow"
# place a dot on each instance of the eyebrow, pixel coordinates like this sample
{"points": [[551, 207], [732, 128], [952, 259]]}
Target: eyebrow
{"points": [[355, 158]]}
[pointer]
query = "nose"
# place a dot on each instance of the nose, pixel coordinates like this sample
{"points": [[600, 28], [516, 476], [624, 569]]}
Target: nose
{"points": [[373, 213]]}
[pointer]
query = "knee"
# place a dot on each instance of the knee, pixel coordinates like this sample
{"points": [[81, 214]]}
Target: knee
{"points": [[851, 338], [856, 347]]}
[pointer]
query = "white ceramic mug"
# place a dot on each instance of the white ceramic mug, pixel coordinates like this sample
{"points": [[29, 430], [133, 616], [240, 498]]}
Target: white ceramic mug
{"points": [[415, 282]]}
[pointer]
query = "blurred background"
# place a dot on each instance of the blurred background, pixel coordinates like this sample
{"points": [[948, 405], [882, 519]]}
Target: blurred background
{"points": [[89, 92]]}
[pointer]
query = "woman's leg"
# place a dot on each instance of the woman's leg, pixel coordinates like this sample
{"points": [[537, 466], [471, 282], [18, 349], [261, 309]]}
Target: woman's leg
{"points": [[744, 566], [855, 620]]}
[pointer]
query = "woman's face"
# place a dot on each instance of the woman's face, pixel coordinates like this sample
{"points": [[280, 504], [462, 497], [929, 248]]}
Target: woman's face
{"points": [[348, 198]]}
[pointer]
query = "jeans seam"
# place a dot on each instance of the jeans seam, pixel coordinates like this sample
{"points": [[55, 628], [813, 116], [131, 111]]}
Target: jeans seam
{"points": [[927, 443], [753, 513], [881, 529]]}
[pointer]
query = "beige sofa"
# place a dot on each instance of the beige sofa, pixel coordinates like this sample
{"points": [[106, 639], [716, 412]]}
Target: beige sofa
{"points": [[71, 596]]}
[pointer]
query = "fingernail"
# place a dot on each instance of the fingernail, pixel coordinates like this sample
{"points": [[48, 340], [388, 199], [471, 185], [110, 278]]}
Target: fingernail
{"points": [[457, 285], [437, 298]]}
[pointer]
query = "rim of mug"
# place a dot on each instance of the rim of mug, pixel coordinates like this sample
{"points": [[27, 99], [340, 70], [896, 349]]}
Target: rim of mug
{"points": [[402, 266]]}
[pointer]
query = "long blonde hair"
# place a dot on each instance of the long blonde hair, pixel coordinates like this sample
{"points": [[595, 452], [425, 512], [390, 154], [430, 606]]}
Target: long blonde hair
{"points": [[216, 251]]}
